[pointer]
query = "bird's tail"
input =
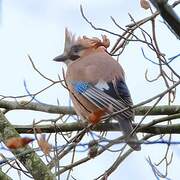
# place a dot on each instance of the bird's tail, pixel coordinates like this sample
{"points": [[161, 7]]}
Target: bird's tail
{"points": [[127, 128]]}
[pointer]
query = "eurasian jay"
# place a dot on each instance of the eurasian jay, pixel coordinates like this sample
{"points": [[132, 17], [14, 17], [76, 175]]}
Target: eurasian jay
{"points": [[96, 81]]}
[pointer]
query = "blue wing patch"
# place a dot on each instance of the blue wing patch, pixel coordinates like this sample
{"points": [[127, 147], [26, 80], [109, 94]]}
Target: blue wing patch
{"points": [[81, 87]]}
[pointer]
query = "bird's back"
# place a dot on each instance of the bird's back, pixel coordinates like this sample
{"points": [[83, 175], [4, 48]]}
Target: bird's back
{"points": [[94, 67]]}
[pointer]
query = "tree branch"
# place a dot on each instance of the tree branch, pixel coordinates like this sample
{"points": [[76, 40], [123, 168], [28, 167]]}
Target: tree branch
{"points": [[77, 126], [34, 106], [168, 14], [31, 161], [4, 176], [142, 21]]}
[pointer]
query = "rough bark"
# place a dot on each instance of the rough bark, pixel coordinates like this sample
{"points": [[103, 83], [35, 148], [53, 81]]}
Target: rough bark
{"points": [[31, 161], [4, 176]]}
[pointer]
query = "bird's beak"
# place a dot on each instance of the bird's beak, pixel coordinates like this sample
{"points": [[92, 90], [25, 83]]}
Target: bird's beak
{"points": [[61, 58]]}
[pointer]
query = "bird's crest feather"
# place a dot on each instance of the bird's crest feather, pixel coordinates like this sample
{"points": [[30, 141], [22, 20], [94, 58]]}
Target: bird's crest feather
{"points": [[94, 42]]}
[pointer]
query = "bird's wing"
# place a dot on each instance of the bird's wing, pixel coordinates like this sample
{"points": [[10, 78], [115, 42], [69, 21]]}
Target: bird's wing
{"points": [[115, 96], [119, 91], [105, 95]]}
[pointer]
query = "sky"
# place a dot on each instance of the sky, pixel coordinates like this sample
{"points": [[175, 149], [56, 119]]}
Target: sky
{"points": [[36, 28]]}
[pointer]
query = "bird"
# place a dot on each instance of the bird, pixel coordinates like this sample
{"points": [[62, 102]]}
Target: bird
{"points": [[96, 81]]}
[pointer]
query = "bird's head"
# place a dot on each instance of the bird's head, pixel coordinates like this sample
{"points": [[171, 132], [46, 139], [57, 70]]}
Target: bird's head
{"points": [[75, 48]]}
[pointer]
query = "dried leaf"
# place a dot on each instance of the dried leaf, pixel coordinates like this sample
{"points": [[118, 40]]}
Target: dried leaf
{"points": [[18, 142], [93, 148], [44, 145], [145, 4], [93, 151], [95, 116]]}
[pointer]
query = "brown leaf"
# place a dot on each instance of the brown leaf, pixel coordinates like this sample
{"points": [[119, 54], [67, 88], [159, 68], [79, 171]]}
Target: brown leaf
{"points": [[93, 148], [44, 145], [18, 142], [145, 4]]}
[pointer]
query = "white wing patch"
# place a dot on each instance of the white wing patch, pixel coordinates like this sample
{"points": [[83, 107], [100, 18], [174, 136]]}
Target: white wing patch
{"points": [[102, 85]]}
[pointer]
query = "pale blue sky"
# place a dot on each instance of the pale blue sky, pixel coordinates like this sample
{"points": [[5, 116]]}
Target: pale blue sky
{"points": [[36, 28]]}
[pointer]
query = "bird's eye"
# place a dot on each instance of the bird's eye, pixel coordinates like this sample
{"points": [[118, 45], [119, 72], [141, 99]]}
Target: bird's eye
{"points": [[76, 48]]}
